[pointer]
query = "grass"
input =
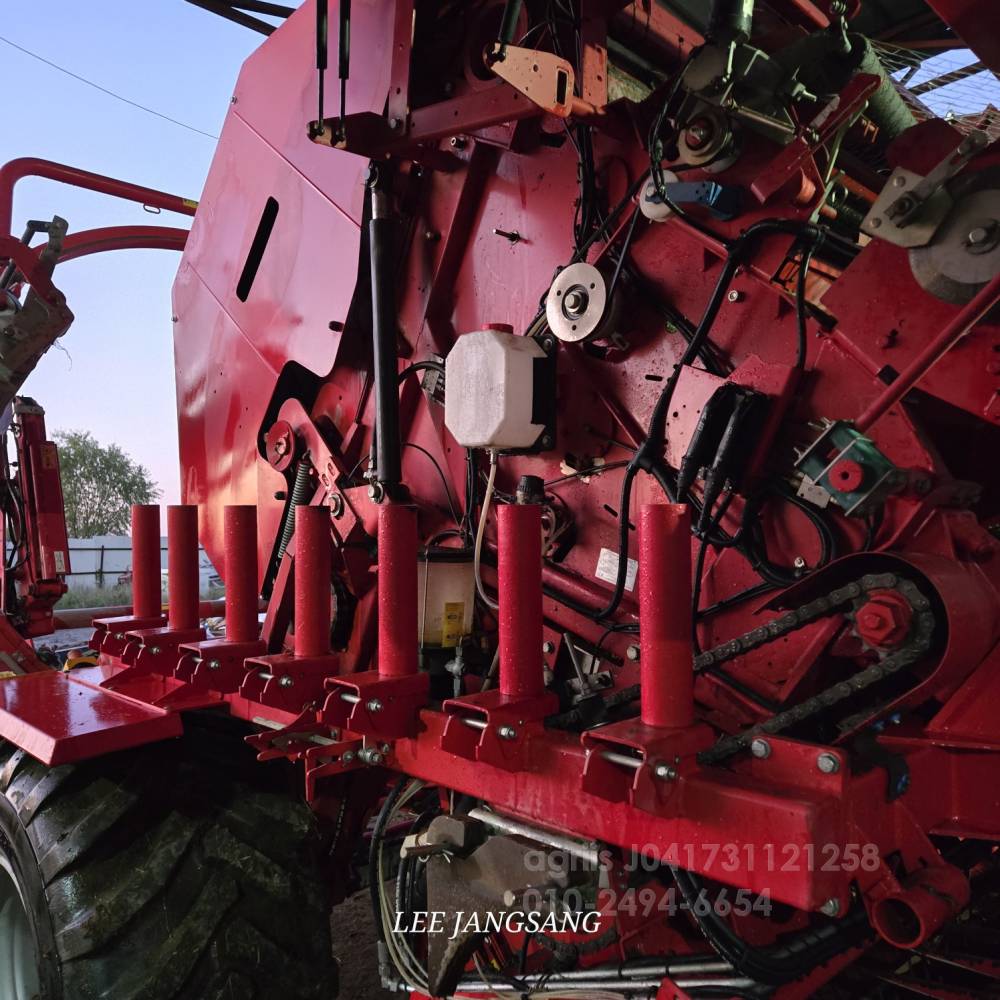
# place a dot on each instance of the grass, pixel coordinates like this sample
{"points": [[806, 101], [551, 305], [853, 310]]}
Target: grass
{"points": [[116, 596], [97, 597]]}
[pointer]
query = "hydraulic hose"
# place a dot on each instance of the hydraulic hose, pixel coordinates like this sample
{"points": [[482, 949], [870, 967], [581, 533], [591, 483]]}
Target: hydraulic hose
{"points": [[649, 455], [782, 963]]}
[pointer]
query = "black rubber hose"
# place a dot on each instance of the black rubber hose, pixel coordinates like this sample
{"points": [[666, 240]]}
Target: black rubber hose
{"points": [[378, 832], [777, 964], [385, 357], [648, 457]]}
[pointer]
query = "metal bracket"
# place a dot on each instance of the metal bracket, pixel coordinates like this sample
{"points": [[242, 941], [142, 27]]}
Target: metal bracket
{"points": [[544, 78], [911, 208]]}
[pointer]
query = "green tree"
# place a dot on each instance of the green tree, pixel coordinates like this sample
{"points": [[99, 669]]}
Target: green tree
{"points": [[100, 484]]}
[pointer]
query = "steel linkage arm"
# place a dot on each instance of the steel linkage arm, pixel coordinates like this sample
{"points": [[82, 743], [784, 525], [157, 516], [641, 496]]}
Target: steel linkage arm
{"points": [[16, 170]]}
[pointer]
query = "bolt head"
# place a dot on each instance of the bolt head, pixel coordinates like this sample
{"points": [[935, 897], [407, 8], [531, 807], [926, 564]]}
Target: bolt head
{"points": [[899, 181], [760, 748], [799, 563], [347, 757], [575, 302], [154, 650], [884, 620], [876, 223], [979, 235], [632, 652], [507, 733], [734, 296], [828, 763], [286, 681], [374, 705], [548, 647], [831, 907], [665, 772], [698, 133], [119, 635], [214, 664]]}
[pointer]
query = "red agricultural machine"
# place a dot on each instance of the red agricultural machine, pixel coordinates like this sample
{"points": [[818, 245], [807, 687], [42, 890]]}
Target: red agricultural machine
{"points": [[603, 399]]}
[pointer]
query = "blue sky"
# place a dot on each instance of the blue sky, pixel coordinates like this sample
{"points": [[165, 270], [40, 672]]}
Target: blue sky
{"points": [[117, 381], [972, 93]]}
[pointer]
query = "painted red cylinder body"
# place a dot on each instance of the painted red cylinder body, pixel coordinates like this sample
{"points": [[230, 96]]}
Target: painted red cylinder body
{"points": [[519, 579], [240, 529], [182, 566], [313, 611], [925, 902], [666, 650], [397, 591], [147, 599]]}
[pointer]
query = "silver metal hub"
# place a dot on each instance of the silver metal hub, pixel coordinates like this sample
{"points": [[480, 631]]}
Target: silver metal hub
{"points": [[577, 307], [19, 978]]}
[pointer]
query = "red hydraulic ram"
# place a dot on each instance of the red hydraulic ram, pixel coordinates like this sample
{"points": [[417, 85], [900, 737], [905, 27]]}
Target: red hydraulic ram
{"points": [[397, 591], [146, 577], [182, 567], [240, 529], [665, 642], [313, 608], [519, 585]]}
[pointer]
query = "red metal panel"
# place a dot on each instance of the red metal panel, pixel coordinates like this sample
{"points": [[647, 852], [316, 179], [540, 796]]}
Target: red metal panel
{"points": [[976, 23], [60, 719]]}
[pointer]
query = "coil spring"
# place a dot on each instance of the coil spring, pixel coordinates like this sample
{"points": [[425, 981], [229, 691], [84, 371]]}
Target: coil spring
{"points": [[299, 495]]}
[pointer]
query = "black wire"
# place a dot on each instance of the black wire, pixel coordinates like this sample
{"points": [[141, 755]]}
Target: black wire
{"points": [[375, 847], [595, 470], [874, 524], [444, 482], [699, 566], [791, 957], [420, 366], [648, 456], [800, 309], [623, 255], [757, 590]]}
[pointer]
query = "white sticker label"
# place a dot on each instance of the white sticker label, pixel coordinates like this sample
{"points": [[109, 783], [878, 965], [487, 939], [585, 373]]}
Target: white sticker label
{"points": [[607, 569], [60, 558]]}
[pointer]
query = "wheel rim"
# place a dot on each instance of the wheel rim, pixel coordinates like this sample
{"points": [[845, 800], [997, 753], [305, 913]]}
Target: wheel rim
{"points": [[18, 962]]}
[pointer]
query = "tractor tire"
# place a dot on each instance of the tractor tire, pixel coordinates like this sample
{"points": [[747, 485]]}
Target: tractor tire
{"points": [[178, 871]]}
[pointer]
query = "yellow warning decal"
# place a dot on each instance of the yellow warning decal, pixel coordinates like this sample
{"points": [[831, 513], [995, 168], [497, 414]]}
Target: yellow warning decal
{"points": [[451, 625]]}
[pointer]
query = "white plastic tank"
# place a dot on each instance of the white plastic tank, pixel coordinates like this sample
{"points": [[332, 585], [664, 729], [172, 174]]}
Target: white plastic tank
{"points": [[489, 386]]}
